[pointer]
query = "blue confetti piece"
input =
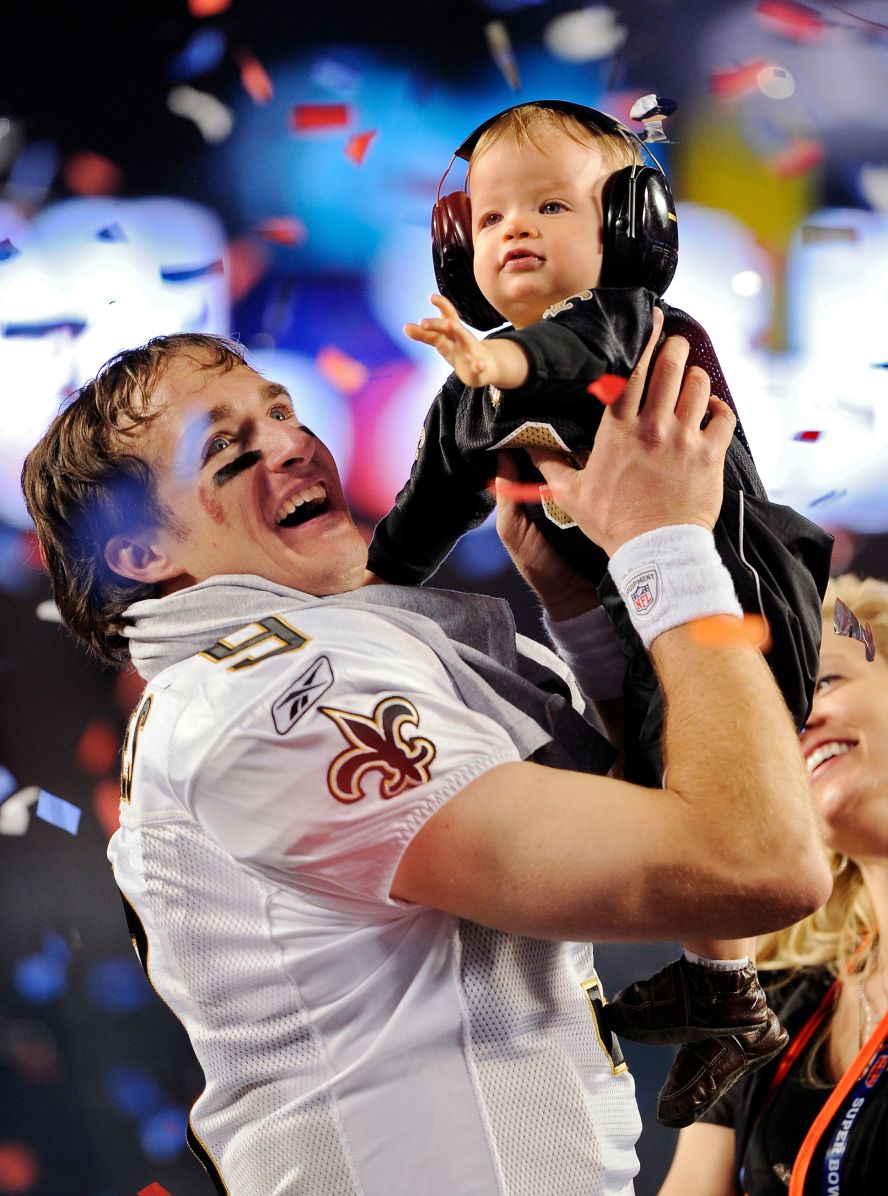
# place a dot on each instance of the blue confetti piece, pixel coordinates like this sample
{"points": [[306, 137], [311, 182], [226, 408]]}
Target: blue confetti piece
{"points": [[162, 1135], [201, 53], [56, 948], [118, 985], [8, 250], [8, 783], [481, 554], [113, 233], [189, 273], [134, 1091], [39, 978], [58, 811]]}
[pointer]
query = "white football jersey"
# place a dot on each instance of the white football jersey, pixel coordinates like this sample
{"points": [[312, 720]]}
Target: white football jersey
{"points": [[352, 1044]]}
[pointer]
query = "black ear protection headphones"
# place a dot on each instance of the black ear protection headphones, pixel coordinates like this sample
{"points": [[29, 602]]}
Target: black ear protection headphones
{"points": [[640, 229]]}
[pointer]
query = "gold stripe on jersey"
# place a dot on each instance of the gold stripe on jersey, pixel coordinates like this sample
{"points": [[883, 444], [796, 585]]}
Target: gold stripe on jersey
{"points": [[137, 721], [595, 997], [139, 940]]}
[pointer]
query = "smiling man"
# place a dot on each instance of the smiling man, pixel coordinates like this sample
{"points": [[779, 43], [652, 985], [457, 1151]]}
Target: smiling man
{"points": [[363, 848]]}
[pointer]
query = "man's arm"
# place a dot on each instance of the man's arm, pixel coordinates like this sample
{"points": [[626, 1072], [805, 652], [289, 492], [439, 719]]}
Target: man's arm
{"points": [[732, 847]]}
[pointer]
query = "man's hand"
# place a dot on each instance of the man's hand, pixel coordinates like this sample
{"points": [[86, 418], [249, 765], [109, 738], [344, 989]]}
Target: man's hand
{"points": [[563, 592], [476, 362], [651, 466]]}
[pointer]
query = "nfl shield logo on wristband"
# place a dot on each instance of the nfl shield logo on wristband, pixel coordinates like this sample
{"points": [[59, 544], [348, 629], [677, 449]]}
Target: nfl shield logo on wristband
{"points": [[644, 590]]}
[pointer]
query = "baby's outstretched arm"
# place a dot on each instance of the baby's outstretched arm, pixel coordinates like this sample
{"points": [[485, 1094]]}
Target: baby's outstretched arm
{"points": [[476, 362]]}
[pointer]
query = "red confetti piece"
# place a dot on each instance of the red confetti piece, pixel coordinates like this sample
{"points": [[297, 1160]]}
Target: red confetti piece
{"points": [[282, 230], [98, 747], [343, 371], [357, 145], [88, 173], [808, 437], [531, 492], [736, 81], [106, 805], [305, 117], [207, 8], [18, 1167], [725, 631], [254, 77], [154, 1189], [247, 264], [608, 388], [795, 21], [797, 158]]}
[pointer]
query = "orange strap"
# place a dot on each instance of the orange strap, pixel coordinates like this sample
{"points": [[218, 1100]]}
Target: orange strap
{"points": [[854, 1073]]}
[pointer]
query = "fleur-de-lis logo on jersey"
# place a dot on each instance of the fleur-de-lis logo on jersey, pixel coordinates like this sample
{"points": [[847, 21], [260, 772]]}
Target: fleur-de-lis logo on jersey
{"points": [[378, 745]]}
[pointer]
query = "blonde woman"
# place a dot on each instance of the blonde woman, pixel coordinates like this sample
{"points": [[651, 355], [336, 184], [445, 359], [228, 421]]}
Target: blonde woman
{"points": [[816, 1120]]}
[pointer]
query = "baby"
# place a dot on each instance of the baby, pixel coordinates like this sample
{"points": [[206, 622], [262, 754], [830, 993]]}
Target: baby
{"points": [[558, 196]]}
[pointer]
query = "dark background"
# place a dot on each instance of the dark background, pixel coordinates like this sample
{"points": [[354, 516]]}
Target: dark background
{"points": [[95, 1075]]}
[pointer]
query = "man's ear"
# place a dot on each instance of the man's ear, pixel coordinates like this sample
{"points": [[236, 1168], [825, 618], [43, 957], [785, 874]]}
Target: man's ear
{"points": [[140, 556]]}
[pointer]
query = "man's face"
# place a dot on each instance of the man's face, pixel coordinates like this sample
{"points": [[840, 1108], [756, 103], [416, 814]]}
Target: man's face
{"points": [[250, 489], [536, 223]]}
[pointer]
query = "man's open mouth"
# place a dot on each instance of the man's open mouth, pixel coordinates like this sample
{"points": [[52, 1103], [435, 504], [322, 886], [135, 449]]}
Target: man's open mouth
{"points": [[300, 508]]}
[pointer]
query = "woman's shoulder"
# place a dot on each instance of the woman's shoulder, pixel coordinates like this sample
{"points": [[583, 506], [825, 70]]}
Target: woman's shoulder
{"points": [[796, 992]]}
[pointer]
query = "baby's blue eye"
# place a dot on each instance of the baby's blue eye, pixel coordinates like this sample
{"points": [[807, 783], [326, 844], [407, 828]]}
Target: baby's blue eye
{"points": [[491, 218], [551, 206]]}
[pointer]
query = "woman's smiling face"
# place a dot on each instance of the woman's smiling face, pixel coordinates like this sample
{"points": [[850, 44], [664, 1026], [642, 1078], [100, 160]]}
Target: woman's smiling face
{"points": [[845, 742]]}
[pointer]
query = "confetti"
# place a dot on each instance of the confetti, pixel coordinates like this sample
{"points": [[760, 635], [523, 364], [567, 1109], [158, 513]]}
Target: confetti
{"points": [[308, 117], [213, 119], [817, 234], [254, 77], [795, 21], [607, 388], [189, 273], [798, 157], [343, 371], [357, 145], [585, 34], [808, 437], [500, 46], [19, 1171], [207, 8], [153, 1190], [529, 492], [8, 250], [830, 496], [106, 805], [98, 747], [845, 622], [59, 812], [88, 173], [113, 233], [335, 76], [15, 811], [731, 82], [282, 230], [721, 631], [48, 612], [203, 51]]}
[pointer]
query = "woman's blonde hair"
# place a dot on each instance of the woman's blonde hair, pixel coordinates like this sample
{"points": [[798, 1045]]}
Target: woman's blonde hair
{"points": [[834, 934]]}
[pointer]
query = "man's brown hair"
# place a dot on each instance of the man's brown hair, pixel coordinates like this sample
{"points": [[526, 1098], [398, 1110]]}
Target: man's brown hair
{"points": [[84, 482]]}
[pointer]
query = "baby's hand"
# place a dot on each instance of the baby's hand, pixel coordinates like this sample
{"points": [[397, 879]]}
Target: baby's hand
{"points": [[501, 363], [471, 358]]}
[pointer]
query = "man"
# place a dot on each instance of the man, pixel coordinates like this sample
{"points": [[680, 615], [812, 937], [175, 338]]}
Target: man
{"points": [[342, 867]]}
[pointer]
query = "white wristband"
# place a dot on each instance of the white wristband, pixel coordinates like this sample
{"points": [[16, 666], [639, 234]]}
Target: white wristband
{"points": [[588, 644], [670, 576]]}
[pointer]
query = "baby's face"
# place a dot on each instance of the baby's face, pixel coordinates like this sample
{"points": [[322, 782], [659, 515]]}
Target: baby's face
{"points": [[536, 223]]}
